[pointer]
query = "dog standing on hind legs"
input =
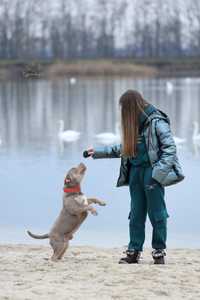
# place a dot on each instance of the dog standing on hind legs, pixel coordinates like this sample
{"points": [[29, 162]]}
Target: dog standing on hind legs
{"points": [[76, 207]]}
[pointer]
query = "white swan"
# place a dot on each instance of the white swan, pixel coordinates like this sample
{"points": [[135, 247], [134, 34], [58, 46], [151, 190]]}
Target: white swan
{"points": [[67, 135], [178, 140], [72, 80], [196, 133], [196, 149], [169, 87], [188, 80], [108, 138]]}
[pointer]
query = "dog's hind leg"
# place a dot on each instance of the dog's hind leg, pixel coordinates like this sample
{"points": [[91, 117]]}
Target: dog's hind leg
{"points": [[63, 250], [58, 247]]}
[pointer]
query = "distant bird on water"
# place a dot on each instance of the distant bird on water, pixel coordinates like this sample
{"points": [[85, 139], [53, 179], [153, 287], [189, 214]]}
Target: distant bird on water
{"points": [[72, 81], [67, 135], [196, 133], [169, 87], [179, 141], [107, 138]]}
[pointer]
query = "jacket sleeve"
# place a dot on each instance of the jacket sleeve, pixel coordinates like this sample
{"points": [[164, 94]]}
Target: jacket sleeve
{"points": [[107, 152], [167, 151]]}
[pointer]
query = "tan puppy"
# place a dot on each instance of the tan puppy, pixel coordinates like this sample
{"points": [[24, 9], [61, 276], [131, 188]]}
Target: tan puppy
{"points": [[75, 210]]}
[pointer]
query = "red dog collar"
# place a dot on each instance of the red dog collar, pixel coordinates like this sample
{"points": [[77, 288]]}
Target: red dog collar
{"points": [[74, 189]]}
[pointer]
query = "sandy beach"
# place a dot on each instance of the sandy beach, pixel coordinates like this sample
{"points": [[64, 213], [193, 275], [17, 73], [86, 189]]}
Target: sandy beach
{"points": [[94, 273]]}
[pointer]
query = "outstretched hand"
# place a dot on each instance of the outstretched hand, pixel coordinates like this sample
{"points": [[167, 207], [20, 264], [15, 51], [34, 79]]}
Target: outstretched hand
{"points": [[88, 152]]}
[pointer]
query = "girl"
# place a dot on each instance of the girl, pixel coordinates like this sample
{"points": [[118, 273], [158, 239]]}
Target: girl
{"points": [[148, 164]]}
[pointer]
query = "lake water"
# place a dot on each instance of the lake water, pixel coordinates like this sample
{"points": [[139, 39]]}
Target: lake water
{"points": [[34, 161]]}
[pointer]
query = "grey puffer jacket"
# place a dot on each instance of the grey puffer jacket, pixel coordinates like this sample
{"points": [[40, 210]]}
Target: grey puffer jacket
{"points": [[161, 149]]}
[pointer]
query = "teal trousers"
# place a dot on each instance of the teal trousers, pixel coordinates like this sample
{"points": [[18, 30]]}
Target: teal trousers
{"points": [[147, 197]]}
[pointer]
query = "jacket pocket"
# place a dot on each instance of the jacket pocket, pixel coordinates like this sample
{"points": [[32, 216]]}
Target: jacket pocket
{"points": [[158, 174], [172, 177]]}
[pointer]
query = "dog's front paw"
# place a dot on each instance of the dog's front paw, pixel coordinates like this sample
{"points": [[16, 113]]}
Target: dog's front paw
{"points": [[102, 203]]}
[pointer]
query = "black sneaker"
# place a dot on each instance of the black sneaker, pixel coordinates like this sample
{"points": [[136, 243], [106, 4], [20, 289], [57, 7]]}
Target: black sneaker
{"points": [[159, 256], [132, 257]]}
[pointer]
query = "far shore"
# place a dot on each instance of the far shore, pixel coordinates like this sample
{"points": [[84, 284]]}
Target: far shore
{"points": [[136, 68]]}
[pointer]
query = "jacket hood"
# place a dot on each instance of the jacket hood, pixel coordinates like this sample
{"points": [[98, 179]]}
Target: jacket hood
{"points": [[147, 112], [163, 115], [151, 112], [144, 116]]}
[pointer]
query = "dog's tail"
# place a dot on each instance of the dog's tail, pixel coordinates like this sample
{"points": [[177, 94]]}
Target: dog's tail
{"points": [[36, 236]]}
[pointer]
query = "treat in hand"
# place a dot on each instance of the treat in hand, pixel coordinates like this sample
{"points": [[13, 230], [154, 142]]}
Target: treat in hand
{"points": [[88, 153]]}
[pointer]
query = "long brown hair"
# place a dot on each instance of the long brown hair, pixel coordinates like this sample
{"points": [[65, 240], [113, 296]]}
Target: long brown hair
{"points": [[132, 104]]}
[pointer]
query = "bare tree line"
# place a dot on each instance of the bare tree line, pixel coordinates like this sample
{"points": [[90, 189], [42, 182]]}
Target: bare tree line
{"points": [[34, 29]]}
